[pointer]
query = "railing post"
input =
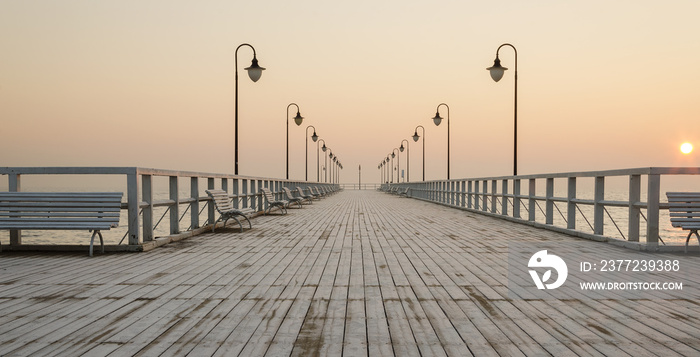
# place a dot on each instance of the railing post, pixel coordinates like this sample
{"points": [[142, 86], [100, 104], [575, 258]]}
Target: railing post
{"points": [[147, 213], [484, 197], [653, 197], [15, 185], [635, 196], [598, 207], [132, 198], [224, 184], [463, 195], [516, 198], [504, 197], [244, 194], [452, 192], [194, 205], [532, 202], [211, 214], [476, 195], [175, 208], [235, 191], [570, 204], [254, 197], [469, 194], [549, 203], [494, 190]]}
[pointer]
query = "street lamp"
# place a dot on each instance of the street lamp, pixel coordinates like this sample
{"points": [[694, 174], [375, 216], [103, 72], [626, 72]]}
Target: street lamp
{"points": [[386, 177], [408, 160], [437, 120], [318, 166], [325, 161], [415, 138], [306, 139], [254, 72], [297, 120], [398, 164], [497, 73]]}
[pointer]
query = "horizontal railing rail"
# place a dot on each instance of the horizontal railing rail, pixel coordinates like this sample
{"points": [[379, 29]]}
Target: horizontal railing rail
{"points": [[521, 198], [141, 195]]}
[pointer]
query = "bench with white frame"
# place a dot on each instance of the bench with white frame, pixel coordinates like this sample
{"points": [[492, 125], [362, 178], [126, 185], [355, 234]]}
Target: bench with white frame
{"points": [[93, 211], [684, 208]]}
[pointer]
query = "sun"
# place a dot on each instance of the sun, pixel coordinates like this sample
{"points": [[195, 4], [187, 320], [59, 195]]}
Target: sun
{"points": [[687, 148]]}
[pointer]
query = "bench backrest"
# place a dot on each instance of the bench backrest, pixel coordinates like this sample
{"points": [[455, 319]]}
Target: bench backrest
{"points": [[60, 210], [288, 192], [268, 194], [684, 208], [301, 192], [222, 202]]}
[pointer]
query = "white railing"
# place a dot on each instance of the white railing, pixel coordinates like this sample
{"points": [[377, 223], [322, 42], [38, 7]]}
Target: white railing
{"points": [[505, 197], [142, 200], [357, 186]]}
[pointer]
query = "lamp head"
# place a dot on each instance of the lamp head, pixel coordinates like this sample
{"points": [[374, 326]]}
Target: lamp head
{"points": [[254, 71], [314, 137], [393, 155], [415, 136], [324, 148], [437, 119], [401, 147], [298, 118], [497, 70]]}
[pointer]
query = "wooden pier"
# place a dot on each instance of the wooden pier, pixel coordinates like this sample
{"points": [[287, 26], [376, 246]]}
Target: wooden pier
{"points": [[358, 273]]}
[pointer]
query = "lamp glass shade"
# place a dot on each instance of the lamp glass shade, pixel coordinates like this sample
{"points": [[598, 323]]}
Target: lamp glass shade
{"points": [[437, 119], [324, 147], [254, 71], [497, 70], [298, 119], [416, 137], [401, 148], [314, 137], [393, 155]]}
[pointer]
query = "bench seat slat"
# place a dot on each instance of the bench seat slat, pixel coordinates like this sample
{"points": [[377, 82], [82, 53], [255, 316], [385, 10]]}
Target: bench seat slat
{"points": [[56, 226], [60, 214]]}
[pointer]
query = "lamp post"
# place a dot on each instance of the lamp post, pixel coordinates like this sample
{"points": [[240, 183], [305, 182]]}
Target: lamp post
{"points": [[254, 72], [306, 155], [408, 160], [398, 164], [415, 139], [437, 120], [386, 177], [325, 161], [332, 162], [297, 120], [496, 74], [318, 166], [381, 172]]}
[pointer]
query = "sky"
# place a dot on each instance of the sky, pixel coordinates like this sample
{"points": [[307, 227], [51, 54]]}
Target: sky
{"points": [[601, 84]]}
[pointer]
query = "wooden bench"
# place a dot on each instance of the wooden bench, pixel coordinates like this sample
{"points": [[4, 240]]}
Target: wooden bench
{"points": [[404, 192], [92, 211], [224, 205], [304, 196], [684, 208], [272, 202], [291, 198]]}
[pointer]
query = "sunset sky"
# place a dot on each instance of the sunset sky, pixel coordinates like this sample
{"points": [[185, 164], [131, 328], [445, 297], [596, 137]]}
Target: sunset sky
{"points": [[602, 84]]}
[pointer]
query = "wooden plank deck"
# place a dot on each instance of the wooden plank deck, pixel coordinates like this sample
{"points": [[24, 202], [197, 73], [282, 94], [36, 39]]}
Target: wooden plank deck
{"points": [[358, 273]]}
